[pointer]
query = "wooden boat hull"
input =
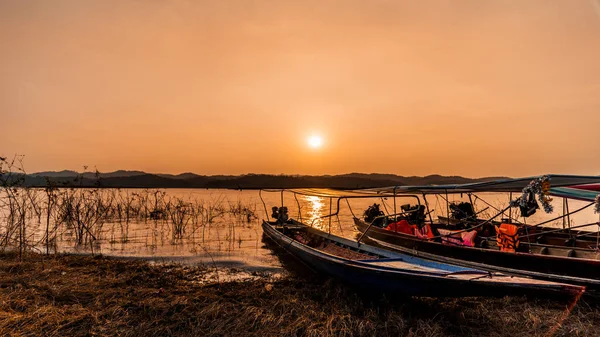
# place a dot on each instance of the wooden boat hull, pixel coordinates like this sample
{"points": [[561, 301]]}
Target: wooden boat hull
{"points": [[553, 268], [459, 281]]}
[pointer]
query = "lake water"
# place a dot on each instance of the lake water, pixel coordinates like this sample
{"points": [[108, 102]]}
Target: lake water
{"points": [[234, 238]]}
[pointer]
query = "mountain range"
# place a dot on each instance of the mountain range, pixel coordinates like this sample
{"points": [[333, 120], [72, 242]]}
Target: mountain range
{"points": [[139, 179]]}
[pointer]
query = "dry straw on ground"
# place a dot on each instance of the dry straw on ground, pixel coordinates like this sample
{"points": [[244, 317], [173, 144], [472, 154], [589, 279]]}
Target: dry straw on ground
{"points": [[84, 295]]}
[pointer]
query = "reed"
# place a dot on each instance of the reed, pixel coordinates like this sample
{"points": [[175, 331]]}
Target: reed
{"points": [[178, 212], [21, 211], [55, 218]]}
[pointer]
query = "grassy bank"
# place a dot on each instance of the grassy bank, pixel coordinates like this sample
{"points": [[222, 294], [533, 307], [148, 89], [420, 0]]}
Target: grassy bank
{"points": [[84, 295]]}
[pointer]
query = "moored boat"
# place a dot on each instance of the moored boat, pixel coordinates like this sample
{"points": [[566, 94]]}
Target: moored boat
{"points": [[584, 272], [364, 265], [556, 254]]}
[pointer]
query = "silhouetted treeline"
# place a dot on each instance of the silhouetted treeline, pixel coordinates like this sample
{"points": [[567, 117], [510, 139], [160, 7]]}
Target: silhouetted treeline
{"points": [[137, 179]]}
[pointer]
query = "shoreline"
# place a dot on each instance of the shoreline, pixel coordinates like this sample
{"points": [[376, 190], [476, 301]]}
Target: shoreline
{"points": [[80, 295]]}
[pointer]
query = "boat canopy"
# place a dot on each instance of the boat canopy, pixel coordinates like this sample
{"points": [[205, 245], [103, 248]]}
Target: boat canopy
{"points": [[503, 185], [333, 193], [574, 193]]}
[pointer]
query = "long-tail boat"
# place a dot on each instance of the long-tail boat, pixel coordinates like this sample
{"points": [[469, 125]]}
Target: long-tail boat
{"points": [[374, 268], [555, 254]]}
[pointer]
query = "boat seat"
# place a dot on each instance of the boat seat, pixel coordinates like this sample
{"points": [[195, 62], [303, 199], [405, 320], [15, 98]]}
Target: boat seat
{"points": [[400, 263], [381, 260]]}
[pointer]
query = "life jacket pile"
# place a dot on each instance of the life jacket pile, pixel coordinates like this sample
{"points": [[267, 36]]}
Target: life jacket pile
{"points": [[507, 237], [405, 227]]}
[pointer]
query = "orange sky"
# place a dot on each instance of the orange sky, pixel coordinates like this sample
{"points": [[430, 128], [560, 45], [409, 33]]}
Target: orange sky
{"points": [[471, 87]]}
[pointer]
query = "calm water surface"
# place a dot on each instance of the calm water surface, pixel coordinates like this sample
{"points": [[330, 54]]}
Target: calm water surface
{"points": [[236, 239]]}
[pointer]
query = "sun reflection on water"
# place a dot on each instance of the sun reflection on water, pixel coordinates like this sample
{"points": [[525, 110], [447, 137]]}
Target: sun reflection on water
{"points": [[316, 207]]}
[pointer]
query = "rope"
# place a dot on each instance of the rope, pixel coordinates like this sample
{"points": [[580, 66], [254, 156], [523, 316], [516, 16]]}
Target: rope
{"points": [[497, 209], [561, 229], [385, 207], [562, 216], [598, 234], [340, 224]]}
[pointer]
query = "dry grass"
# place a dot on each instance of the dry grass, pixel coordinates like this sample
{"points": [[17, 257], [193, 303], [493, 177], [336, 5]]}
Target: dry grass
{"points": [[83, 295]]}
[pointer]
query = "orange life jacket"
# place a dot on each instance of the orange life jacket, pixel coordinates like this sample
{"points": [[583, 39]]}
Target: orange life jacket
{"points": [[507, 237]]}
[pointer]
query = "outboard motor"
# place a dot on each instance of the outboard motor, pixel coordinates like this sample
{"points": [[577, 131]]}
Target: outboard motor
{"points": [[463, 210], [415, 215], [372, 213], [275, 214], [281, 214]]}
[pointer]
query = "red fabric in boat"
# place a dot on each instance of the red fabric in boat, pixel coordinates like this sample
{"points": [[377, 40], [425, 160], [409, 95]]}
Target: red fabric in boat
{"points": [[425, 232], [402, 226], [458, 237]]}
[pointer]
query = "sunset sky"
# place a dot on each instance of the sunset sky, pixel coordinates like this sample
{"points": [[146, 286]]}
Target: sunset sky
{"points": [[473, 88]]}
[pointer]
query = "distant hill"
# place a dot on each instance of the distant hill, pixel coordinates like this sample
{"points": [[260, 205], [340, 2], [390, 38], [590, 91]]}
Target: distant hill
{"points": [[89, 175], [139, 179], [417, 181], [187, 175], [53, 174]]}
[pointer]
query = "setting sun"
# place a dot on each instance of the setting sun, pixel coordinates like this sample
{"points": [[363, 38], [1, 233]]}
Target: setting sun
{"points": [[315, 141]]}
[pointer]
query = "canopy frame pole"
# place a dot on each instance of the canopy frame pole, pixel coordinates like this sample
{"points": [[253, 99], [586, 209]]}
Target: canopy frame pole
{"points": [[471, 200], [340, 224], [395, 187], [564, 212], [527, 234], [447, 205], [510, 209], [263, 202], [299, 208], [568, 216], [598, 234], [350, 208], [330, 202], [428, 210]]}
